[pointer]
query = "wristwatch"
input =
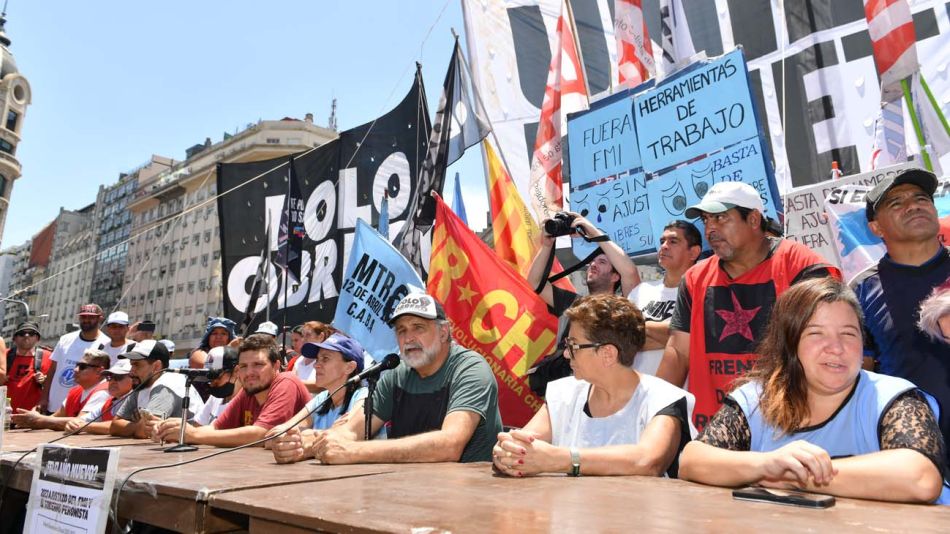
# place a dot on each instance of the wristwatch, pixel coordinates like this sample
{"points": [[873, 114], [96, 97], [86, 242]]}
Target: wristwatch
{"points": [[575, 462]]}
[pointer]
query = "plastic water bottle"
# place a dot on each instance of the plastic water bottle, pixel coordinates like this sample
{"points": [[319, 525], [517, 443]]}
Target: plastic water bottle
{"points": [[7, 413]]}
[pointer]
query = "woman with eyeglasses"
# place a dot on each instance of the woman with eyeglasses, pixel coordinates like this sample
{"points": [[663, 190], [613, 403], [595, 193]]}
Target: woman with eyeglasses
{"points": [[807, 416], [607, 419], [87, 395]]}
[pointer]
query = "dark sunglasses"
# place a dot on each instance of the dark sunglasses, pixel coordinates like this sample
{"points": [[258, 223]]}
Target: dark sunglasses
{"points": [[82, 366], [27, 333], [115, 378]]}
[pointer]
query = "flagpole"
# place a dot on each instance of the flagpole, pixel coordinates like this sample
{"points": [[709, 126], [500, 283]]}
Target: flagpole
{"points": [[577, 46], [916, 122], [267, 271], [933, 103], [481, 104], [283, 328]]}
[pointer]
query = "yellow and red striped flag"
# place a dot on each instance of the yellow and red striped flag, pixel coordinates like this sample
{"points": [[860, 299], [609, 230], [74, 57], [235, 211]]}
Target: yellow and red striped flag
{"points": [[492, 309], [517, 236]]}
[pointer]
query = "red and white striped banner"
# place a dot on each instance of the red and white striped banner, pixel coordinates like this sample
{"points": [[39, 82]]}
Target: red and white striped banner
{"points": [[565, 92], [634, 49], [891, 28]]}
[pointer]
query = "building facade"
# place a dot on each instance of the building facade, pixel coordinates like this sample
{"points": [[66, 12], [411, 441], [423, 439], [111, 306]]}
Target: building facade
{"points": [[112, 227], [173, 275], [13, 266], [64, 284], [15, 97]]}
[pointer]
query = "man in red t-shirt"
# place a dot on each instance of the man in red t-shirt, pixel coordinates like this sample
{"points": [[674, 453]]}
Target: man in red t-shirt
{"points": [[89, 394], [119, 380], [724, 302], [267, 398], [25, 381]]}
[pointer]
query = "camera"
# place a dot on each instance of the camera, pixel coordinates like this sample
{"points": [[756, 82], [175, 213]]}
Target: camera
{"points": [[559, 225]]}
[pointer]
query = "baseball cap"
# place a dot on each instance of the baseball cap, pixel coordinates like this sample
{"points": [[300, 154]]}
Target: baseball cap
{"points": [[119, 317], [420, 305], [146, 326], [725, 196], [221, 359], [90, 309], [120, 367], [348, 347], [148, 349], [169, 344], [267, 327], [27, 326], [925, 180]]}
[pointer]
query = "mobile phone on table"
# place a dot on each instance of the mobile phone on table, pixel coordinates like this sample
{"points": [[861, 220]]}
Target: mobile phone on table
{"points": [[787, 497]]}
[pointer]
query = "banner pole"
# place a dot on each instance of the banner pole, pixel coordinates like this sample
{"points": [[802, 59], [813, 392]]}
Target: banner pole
{"points": [[916, 122], [933, 103]]}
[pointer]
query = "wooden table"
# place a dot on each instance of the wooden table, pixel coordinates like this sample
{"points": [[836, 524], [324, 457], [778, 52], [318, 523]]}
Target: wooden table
{"points": [[468, 498], [245, 490], [176, 498]]}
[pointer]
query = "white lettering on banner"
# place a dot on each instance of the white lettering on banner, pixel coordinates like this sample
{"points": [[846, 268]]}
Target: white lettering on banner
{"points": [[348, 200], [320, 211], [323, 286], [395, 165]]}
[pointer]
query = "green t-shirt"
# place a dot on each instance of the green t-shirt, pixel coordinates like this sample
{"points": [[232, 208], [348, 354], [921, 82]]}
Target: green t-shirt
{"points": [[415, 405]]}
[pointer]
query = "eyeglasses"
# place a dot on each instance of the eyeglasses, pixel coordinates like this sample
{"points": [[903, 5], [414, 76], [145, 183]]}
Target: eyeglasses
{"points": [[27, 334], [82, 366], [115, 378], [571, 348]]}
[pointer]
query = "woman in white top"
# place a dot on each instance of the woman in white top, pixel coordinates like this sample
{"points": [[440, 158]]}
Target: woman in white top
{"points": [[607, 419]]}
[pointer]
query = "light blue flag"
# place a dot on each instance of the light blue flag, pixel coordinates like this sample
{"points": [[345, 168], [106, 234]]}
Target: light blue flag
{"points": [[384, 217], [376, 279], [457, 205]]}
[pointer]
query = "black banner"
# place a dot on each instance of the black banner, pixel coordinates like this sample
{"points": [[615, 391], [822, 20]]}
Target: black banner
{"points": [[340, 182]]}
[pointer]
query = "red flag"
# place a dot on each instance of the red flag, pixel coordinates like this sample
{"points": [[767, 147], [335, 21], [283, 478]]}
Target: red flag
{"points": [[566, 92], [492, 309], [634, 49], [891, 28]]}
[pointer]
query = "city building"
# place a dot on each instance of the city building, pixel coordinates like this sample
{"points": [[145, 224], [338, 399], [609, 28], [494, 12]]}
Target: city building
{"points": [[13, 260], [112, 227], [173, 275], [15, 96], [63, 285]]}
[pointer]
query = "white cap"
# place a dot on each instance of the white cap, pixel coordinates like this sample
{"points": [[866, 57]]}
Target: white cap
{"points": [[725, 196], [267, 327], [120, 367], [169, 344], [119, 317]]}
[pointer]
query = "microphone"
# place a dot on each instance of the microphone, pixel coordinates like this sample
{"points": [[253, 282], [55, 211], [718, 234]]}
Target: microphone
{"points": [[391, 361], [190, 372]]}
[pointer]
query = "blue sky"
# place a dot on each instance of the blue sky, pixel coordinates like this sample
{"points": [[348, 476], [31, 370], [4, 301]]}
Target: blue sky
{"points": [[117, 81]]}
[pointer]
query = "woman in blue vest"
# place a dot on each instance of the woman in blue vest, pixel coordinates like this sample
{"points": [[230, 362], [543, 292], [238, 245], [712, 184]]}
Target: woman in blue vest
{"points": [[809, 417]]}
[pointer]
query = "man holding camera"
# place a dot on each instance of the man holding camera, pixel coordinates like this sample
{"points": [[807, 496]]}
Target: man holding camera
{"points": [[609, 271]]}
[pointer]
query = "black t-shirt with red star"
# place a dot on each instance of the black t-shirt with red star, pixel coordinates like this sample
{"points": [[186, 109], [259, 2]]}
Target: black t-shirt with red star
{"points": [[725, 329]]}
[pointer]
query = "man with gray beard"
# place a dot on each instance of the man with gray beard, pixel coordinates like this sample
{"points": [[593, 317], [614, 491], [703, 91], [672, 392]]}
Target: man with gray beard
{"points": [[441, 402]]}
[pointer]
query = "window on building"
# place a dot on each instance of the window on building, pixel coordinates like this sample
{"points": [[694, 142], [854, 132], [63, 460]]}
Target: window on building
{"points": [[273, 141], [159, 292], [204, 260], [201, 285], [207, 236], [12, 118], [5, 146], [187, 311], [182, 264], [191, 288], [216, 255], [181, 287], [194, 260]]}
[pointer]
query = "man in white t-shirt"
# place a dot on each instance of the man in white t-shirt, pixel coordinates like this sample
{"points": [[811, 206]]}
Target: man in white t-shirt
{"points": [[67, 353], [680, 246], [117, 328]]}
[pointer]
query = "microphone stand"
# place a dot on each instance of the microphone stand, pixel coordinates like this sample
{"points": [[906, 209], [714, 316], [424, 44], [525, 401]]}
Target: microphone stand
{"points": [[368, 407], [182, 446]]}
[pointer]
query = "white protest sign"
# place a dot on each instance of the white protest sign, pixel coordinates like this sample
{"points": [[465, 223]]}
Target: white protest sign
{"points": [[806, 220], [72, 490]]}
